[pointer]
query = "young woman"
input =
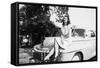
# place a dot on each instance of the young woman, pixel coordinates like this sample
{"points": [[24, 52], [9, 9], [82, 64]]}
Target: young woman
{"points": [[63, 42], [66, 33]]}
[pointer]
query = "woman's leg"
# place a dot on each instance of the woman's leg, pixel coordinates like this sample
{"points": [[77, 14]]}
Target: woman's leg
{"points": [[54, 50]]}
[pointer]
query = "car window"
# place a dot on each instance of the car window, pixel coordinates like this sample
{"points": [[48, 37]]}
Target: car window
{"points": [[78, 32]]}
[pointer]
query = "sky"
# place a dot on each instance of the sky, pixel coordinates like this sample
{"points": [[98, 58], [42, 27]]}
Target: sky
{"points": [[80, 17], [83, 17]]}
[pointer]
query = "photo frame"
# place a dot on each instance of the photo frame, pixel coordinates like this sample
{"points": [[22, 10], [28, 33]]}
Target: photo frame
{"points": [[52, 33]]}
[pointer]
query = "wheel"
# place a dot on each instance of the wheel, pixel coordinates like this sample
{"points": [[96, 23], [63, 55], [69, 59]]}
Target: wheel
{"points": [[77, 57]]}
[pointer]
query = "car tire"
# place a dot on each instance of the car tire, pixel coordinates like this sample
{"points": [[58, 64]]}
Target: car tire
{"points": [[77, 57]]}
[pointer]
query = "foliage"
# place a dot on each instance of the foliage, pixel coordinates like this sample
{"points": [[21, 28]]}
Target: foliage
{"points": [[35, 20]]}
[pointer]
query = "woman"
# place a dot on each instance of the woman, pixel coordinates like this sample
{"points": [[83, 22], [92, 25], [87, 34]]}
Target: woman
{"points": [[66, 33], [64, 40]]}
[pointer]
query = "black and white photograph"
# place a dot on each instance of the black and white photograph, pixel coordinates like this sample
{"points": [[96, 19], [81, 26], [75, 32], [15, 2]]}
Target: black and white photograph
{"points": [[55, 33]]}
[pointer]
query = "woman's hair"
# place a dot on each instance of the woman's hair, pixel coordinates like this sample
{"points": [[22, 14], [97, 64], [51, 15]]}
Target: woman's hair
{"points": [[66, 23]]}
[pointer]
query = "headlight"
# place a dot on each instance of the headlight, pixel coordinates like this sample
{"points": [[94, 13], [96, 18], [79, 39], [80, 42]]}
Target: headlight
{"points": [[25, 40]]}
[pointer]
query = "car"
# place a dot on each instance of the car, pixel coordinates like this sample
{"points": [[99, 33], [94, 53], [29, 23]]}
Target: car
{"points": [[81, 48]]}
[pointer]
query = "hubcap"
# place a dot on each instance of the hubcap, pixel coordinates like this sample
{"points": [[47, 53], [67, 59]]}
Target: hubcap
{"points": [[76, 58]]}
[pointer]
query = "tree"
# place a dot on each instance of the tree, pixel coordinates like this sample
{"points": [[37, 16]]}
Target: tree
{"points": [[35, 20]]}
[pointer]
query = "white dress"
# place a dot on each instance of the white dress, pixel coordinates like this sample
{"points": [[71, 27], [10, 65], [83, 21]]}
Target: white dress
{"points": [[65, 39]]}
